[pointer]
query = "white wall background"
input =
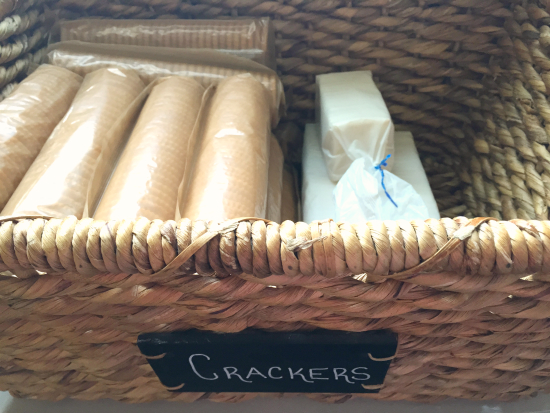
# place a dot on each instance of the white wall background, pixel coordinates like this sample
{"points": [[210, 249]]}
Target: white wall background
{"points": [[8, 404]]}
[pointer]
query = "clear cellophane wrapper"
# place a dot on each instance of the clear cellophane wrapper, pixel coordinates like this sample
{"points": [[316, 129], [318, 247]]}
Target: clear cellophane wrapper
{"points": [[275, 181], [252, 39], [230, 176], [207, 67], [157, 156], [69, 174], [28, 117]]}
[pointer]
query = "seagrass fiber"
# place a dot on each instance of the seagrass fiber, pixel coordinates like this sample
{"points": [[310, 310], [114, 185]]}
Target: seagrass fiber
{"points": [[468, 298]]}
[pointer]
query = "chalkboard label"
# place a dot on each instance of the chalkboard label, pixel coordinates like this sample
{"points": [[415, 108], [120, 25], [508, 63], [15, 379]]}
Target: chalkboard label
{"points": [[256, 361]]}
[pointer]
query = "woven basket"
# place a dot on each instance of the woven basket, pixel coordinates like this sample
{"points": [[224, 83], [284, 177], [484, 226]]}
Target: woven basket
{"points": [[23, 32], [469, 298]]}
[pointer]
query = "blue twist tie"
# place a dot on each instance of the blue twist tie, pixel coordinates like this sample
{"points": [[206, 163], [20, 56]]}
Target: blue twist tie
{"points": [[379, 167]]}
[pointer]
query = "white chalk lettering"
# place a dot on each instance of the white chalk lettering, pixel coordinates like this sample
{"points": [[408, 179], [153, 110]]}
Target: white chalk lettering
{"points": [[270, 374], [254, 372], [355, 371], [195, 370], [342, 373], [276, 373], [315, 376], [234, 373], [298, 373]]}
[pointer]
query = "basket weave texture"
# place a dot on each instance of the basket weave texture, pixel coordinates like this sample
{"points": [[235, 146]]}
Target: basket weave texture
{"points": [[470, 79], [471, 322], [23, 33]]}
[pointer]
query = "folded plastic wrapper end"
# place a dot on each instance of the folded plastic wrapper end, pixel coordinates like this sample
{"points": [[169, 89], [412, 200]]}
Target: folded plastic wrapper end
{"points": [[360, 196]]}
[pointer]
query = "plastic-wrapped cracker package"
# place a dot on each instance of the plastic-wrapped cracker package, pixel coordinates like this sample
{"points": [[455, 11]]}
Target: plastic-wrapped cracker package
{"points": [[69, 173], [207, 67], [355, 122], [275, 181], [230, 176], [28, 117], [157, 155], [249, 38]]}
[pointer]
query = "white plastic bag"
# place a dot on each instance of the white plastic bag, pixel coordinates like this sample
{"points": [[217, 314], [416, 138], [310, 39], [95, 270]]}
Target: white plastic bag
{"points": [[360, 195]]}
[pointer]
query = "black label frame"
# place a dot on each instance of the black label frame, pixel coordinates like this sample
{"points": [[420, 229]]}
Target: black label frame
{"points": [[256, 361]]}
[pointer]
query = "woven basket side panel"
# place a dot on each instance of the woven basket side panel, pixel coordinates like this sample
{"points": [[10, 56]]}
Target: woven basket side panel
{"points": [[474, 327], [23, 33], [522, 119]]}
